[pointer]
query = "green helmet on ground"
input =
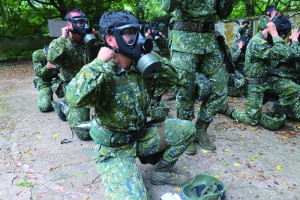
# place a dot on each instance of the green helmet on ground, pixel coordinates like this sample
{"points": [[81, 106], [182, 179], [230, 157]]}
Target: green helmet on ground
{"points": [[272, 121], [204, 187]]}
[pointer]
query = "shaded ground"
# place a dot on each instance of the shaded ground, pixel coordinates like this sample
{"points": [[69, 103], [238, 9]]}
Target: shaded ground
{"points": [[253, 162]]}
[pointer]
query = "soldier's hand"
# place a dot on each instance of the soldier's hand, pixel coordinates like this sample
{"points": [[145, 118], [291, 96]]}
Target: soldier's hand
{"points": [[271, 28], [273, 14], [106, 54], [65, 32], [294, 35], [50, 66], [241, 44]]}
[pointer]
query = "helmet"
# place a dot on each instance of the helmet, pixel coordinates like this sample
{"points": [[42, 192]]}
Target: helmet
{"points": [[204, 187], [272, 121]]}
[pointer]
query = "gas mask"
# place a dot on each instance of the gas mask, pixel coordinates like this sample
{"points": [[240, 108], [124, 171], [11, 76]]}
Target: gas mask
{"points": [[283, 27], [83, 29], [132, 44]]}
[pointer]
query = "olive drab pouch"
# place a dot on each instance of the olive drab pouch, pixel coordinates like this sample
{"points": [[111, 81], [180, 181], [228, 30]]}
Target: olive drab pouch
{"points": [[226, 52], [224, 8]]}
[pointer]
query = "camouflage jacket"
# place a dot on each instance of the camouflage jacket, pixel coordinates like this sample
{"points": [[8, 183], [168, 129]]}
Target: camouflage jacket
{"points": [[243, 32], [121, 98], [39, 61], [260, 53], [262, 23], [287, 67], [195, 11], [238, 57], [69, 56]]}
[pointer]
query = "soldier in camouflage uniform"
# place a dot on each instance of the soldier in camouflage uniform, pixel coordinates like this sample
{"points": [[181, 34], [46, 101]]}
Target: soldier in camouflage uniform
{"points": [[261, 50], [194, 48], [120, 94], [271, 12], [236, 84], [245, 31], [283, 76], [160, 46], [69, 53], [46, 80]]}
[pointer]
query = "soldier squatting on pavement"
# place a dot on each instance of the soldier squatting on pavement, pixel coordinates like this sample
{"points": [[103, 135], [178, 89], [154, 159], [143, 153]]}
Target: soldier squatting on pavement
{"points": [[117, 84], [69, 53], [46, 81], [194, 47]]}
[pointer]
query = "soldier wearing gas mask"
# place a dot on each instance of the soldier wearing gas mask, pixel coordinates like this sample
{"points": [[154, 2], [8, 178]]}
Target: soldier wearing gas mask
{"points": [[69, 53], [118, 85], [261, 76], [271, 11], [160, 42]]}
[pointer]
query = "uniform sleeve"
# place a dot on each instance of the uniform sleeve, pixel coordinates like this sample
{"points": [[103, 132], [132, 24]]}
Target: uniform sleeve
{"points": [[295, 50], [84, 89], [170, 5], [167, 76], [235, 52], [39, 64], [278, 51], [57, 50]]}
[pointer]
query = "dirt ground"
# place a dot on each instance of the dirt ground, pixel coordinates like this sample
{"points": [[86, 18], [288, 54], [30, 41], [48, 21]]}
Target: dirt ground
{"points": [[253, 162]]}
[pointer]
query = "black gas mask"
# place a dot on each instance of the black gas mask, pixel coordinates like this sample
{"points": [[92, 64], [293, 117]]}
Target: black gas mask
{"points": [[283, 27], [132, 44], [81, 27]]}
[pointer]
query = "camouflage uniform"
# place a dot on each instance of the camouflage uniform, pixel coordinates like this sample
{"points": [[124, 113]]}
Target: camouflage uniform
{"points": [[289, 91], [121, 99], [262, 23], [46, 81], [243, 32], [238, 57], [69, 56], [195, 48], [259, 55]]}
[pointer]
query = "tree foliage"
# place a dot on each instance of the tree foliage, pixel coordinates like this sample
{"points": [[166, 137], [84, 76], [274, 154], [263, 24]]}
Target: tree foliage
{"points": [[27, 17]]}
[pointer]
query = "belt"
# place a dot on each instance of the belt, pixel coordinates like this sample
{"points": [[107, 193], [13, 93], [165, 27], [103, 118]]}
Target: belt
{"points": [[194, 27], [256, 81]]}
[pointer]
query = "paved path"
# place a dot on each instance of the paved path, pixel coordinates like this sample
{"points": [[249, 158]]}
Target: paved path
{"points": [[253, 162]]}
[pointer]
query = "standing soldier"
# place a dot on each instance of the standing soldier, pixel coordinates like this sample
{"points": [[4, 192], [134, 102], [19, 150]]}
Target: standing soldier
{"points": [[69, 53], [46, 80], [194, 48], [245, 30]]}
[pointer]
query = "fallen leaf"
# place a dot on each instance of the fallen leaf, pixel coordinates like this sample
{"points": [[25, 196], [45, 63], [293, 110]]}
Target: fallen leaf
{"points": [[204, 151], [85, 197], [279, 167], [236, 164], [244, 172], [217, 176], [177, 189]]}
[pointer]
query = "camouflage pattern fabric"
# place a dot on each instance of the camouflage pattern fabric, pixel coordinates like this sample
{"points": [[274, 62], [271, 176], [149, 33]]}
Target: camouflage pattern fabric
{"points": [[187, 65], [259, 55], [194, 51], [46, 81], [117, 166], [121, 99], [69, 56], [243, 32], [262, 23]]}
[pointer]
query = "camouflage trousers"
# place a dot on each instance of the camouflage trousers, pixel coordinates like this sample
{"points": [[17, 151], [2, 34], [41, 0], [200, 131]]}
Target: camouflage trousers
{"points": [[45, 98], [117, 166], [187, 65], [46, 90], [285, 89], [234, 91]]}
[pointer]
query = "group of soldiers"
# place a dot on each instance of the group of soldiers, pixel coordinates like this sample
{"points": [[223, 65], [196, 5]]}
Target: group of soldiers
{"points": [[119, 74]]}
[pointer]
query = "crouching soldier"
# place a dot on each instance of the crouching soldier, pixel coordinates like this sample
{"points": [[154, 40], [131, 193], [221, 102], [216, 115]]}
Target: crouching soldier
{"points": [[46, 81], [117, 84]]}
